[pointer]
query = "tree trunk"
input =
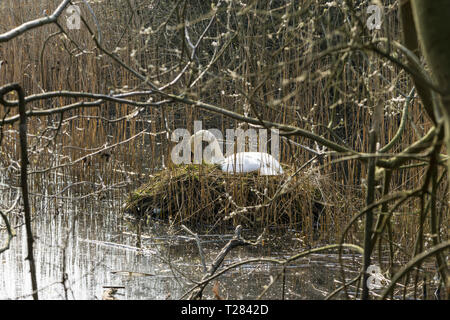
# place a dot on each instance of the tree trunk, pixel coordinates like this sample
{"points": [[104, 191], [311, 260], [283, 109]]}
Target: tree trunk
{"points": [[432, 25]]}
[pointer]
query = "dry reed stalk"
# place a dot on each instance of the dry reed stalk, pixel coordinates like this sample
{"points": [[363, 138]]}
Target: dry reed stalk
{"points": [[251, 56]]}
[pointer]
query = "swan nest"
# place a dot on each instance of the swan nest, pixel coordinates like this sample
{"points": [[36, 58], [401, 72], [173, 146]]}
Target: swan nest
{"points": [[204, 196]]}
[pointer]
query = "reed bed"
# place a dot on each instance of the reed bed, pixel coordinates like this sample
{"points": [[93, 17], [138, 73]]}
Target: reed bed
{"points": [[258, 72], [206, 197]]}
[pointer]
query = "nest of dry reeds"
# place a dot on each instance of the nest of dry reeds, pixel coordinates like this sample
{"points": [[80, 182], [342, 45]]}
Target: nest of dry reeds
{"points": [[203, 195]]}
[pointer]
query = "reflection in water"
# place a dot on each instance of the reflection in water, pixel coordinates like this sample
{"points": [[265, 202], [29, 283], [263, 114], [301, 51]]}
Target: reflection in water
{"points": [[82, 249], [79, 238]]}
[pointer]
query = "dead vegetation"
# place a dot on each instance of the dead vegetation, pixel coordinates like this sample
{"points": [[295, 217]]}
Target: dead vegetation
{"points": [[304, 64], [204, 195]]}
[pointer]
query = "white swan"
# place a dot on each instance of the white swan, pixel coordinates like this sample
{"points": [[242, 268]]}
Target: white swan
{"points": [[240, 162]]}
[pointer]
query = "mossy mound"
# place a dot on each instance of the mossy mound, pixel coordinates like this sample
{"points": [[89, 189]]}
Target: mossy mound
{"points": [[204, 196]]}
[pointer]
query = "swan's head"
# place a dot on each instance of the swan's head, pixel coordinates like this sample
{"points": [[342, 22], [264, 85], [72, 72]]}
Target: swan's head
{"points": [[212, 154], [203, 135], [200, 136]]}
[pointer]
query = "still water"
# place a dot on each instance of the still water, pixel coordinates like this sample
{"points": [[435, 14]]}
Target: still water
{"points": [[85, 245]]}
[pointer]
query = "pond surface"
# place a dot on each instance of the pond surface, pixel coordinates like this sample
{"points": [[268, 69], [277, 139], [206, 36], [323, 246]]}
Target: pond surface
{"points": [[83, 246]]}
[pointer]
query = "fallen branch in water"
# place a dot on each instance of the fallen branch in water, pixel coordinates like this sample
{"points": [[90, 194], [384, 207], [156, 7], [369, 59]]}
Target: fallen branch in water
{"points": [[283, 262], [199, 245], [236, 241]]}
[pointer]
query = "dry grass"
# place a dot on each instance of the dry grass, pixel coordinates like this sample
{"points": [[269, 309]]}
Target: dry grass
{"points": [[206, 197], [262, 41]]}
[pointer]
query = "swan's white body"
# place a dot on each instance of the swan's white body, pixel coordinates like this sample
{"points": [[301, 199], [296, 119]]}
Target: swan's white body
{"points": [[240, 162]]}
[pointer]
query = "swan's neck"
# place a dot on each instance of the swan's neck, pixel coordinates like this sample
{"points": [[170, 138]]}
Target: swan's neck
{"points": [[212, 153]]}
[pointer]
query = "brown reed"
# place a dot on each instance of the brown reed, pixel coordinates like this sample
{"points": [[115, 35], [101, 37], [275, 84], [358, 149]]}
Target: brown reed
{"points": [[255, 71]]}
